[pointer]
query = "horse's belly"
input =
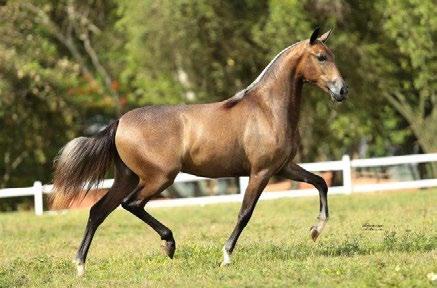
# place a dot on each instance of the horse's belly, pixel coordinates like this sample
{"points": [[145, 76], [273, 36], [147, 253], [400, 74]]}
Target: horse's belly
{"points": [[215, 163]]}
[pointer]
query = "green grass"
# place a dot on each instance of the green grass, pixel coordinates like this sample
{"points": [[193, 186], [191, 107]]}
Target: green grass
{"points": [[275, 249]]}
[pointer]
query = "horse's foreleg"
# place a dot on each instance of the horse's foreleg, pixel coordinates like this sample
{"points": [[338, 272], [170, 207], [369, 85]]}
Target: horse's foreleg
{"points": [[294, 172], [257, 183], [135, 202]]}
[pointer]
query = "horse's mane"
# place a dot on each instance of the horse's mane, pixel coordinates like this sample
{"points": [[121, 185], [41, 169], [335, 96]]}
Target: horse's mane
{"points": [[267, 72], [235, 99]]}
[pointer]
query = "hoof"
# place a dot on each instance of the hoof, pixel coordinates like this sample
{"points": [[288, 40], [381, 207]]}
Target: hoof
{"points": [[317, 229], [226, 258], [224, 264], [169, 248], [314, 233], [80, 270], [80, 267]]}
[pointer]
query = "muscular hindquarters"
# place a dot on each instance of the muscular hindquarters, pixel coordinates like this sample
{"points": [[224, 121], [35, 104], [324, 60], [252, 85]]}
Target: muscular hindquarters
{"points": [[149, 142]]}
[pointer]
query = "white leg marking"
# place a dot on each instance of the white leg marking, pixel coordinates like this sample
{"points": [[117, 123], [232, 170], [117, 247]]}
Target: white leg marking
{"points": [[226, 258], [80, 269], [321, 225]]}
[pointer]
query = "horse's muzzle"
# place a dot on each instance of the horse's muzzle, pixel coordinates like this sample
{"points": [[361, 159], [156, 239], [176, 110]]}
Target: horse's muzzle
{"points": [[338, 90]]}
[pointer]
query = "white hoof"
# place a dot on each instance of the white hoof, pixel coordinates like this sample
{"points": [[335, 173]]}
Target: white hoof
{"points": [[223, 264], [80, 269], [226, 258]]}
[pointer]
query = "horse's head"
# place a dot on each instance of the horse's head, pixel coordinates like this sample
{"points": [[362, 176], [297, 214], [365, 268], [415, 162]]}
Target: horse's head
{"points": [[319, 67]]}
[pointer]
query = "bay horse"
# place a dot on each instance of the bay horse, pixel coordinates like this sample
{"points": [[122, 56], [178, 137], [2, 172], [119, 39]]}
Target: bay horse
{"points": [[254, 133]]}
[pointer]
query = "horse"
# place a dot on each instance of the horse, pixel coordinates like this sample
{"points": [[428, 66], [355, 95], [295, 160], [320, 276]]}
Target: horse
{"points": [[254, 133]]}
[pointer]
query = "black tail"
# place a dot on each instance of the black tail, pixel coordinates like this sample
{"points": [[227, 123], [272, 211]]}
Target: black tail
{"points": [[81, 164]]}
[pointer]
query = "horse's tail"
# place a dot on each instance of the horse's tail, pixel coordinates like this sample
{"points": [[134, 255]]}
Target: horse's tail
{"points": [[81, 164]]}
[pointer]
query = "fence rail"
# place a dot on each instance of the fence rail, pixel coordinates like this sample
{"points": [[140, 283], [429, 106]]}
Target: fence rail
{"points": [[345, 165]]}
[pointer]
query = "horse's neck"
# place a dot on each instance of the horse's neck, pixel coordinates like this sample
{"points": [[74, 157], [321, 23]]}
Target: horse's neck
{"points": [[280, 96], [294, 98]]}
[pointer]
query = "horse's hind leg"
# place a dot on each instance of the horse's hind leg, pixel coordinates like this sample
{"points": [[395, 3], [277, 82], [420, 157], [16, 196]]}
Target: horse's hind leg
{"points": [[125, 181], [135, 202], [295, 172]]}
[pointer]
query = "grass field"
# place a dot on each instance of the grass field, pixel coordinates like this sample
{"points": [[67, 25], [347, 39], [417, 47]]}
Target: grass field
{"points": [[275, 250]]}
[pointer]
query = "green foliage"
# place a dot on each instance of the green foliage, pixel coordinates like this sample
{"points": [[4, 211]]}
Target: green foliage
{"points": [[44, 95], [406, 65], [36, 116], [286, 23], [148, 75], [275, 249], [180, 48]]}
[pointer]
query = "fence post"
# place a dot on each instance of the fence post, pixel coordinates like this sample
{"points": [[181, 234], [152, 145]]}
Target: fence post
{"points": [[347, 174], [38, 197], [244, 182]]}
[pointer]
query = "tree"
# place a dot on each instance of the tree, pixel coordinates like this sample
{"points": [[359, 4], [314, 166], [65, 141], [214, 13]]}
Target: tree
{"points": [[66, 66], [407, 65], [33, 117], [74, 25], [189, 51], [50, 80]]}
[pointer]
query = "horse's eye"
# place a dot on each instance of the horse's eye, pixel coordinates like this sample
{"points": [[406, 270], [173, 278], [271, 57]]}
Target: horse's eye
{"points": [[321, 57]]}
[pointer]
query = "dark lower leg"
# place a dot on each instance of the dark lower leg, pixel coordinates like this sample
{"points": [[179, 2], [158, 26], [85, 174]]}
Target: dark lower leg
{"points": [[256, 185], [98, 214], [137, 208], [295, 172], [124, 182], [243, 219], [135, 202], [96, 217]]}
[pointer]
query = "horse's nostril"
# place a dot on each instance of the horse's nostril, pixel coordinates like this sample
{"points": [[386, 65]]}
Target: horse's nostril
{"points": [[343, 90]]}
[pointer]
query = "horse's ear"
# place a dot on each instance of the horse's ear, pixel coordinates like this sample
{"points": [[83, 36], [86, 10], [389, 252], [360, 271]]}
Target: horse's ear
{"points": [[314, 36], [325, 36]]}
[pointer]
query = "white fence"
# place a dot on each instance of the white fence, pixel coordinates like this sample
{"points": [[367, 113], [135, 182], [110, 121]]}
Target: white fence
{"points": [[345, 165]]}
